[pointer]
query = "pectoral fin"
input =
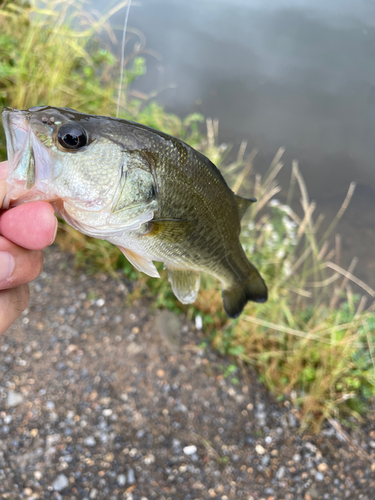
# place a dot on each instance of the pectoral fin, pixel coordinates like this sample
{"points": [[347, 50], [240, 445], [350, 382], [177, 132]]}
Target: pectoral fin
{"points": [[185, 284], [171, 230], [141, 263]]}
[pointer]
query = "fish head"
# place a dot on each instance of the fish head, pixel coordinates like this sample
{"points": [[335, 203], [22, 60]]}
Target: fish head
{"points": [[58, 153], [73, 161]]}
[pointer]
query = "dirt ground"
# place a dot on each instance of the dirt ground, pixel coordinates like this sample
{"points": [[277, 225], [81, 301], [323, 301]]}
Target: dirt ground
{"points": [[99, 400]]}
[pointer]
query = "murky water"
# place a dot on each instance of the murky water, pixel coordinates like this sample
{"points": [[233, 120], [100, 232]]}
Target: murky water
{"points": [[292, 73]]}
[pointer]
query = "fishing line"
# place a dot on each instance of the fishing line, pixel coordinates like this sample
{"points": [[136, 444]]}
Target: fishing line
{"points": [[122, 56]]}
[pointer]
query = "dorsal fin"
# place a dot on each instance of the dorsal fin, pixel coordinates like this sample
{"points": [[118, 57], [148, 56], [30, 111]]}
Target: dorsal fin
{"points": [[243, 204]]}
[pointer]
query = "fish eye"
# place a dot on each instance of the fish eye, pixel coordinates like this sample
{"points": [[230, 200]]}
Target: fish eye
{"points": [[72, 136]]}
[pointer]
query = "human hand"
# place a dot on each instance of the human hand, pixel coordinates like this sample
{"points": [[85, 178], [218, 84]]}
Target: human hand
{"points": [[24, 232]]}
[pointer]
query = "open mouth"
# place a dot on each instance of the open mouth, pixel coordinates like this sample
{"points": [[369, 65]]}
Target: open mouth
{"points": [[28, 160]]}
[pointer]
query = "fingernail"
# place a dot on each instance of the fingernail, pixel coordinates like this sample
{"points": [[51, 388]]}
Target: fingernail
{"points": [[54, 236], [6, 266]]}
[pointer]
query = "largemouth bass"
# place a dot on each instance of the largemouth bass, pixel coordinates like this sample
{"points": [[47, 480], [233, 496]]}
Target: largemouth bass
{"points": [[150, 194]]}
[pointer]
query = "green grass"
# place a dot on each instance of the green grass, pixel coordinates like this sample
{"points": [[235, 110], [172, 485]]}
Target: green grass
{"points": [[313, 341], [50, 54]]}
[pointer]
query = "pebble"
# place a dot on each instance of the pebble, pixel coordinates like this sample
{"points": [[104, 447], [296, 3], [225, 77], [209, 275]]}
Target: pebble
{"points": [[60, 483], [14, 399], [89, 441], [38, 475], [100, 302], [131, 476], [260, 450], [190, 450], [280, 473], [319, 476], [323, 467], [121, 480]]}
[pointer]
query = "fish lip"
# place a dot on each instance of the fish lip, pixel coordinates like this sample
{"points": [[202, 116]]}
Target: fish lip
{"points": [[17, 133], [16, 126]]}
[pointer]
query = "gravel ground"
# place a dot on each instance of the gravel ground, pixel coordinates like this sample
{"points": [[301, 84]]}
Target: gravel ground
{"points": [[103, 401]]}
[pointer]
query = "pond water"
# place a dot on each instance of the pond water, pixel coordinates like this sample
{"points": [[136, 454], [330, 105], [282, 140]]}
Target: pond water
{"points": [[293, 73]]}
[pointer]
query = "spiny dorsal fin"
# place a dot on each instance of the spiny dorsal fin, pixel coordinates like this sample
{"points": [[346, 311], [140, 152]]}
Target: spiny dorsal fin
{"points": [[243, 204], [185, 284]]}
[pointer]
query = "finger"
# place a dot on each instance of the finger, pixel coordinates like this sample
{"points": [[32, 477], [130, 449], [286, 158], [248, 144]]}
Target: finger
{"points": [[32, 225], [12, 303], [3, 178], [17, 265]]}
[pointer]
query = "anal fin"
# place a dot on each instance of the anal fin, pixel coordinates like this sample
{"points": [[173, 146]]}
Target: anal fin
{"points": [[141, 263], [185, 284]]}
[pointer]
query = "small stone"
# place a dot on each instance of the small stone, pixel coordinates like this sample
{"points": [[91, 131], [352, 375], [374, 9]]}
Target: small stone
{"points": [[28, 492], [71, 348], [100, 302], [323, 467], [131, 476], [268, 440], [14, 399], [319, 476], [38, 475], [312, 494], [34, 433], [93, 493], [149, 459], [89, 441], [60, 483], [372, 444], [260, 450], [107, 413], [160, 373], [190, 450], [280, 473], [297, 458], [121, 480]]}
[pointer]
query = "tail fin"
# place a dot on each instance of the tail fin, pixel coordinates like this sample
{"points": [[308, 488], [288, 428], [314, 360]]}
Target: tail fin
{"points": [[236, 297]]}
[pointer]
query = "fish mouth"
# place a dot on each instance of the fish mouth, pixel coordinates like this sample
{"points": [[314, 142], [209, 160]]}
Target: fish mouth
{"points": [[28, 159]]}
